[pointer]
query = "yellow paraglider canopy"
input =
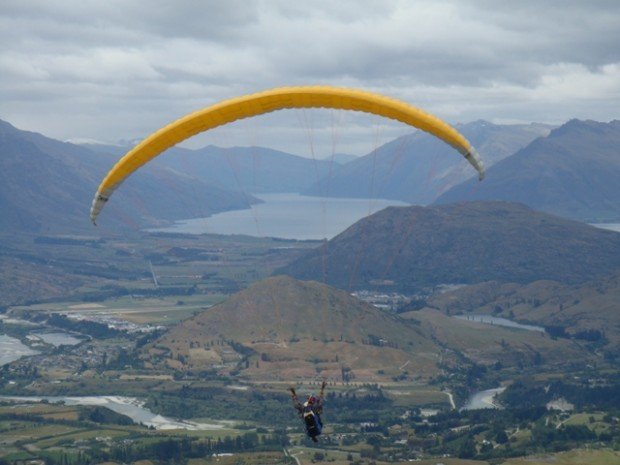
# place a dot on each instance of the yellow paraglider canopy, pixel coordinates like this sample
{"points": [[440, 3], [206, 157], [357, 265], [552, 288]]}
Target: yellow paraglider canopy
{"points": [[280, 98]]}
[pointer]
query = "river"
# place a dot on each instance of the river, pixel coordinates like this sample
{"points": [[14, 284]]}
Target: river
{"points": [[129, 406], [287, 216], [482, 399], [493, 320]]}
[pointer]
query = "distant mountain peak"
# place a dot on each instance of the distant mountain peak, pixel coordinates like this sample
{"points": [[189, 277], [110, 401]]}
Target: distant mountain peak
{"points": [[6, 127], [478, 123], [575, 125], [573, 172], [417, 167]]}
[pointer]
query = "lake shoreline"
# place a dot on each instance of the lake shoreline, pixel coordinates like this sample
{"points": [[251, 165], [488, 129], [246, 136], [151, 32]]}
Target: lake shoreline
{"points": [[286, 216]]}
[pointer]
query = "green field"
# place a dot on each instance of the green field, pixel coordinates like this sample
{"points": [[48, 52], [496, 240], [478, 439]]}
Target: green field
{"points": [[93, 269], [154, 311], [41, 430], [573, 457], [416, 395]]}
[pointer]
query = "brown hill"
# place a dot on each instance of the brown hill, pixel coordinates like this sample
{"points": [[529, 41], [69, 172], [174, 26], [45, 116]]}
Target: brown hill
{"points": [[284, 329]]}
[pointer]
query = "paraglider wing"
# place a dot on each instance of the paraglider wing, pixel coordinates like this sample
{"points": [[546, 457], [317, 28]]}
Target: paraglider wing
{"points": [[246, 106]]}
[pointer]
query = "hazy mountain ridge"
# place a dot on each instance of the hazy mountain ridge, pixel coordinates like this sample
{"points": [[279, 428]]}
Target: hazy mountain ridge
{"points": [[48, 185], [186, 183], [249, 169], [340, 158], [573, 172], [35, 187], [418, 167], [416, 247]]}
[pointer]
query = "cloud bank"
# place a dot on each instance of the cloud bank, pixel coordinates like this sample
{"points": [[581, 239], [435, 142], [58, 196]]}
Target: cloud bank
{"points": [[121, 69]]}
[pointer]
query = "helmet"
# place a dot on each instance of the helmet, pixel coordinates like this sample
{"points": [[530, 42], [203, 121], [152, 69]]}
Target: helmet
{"points": [[311, 400]]}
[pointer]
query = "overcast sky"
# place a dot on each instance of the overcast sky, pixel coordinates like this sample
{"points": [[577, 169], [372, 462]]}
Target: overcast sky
{"points": [[120, 69]]}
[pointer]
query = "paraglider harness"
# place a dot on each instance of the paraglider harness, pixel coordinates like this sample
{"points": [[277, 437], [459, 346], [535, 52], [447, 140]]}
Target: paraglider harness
{"points": [[312, 420], [310, 412]]}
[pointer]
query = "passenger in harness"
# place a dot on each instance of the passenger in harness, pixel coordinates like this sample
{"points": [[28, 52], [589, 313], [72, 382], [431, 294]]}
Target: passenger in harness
{"points": [[310, 412]]}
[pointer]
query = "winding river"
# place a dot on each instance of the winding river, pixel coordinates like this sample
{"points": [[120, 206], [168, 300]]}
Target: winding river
{"points": [[129, 406], [483, 399]]}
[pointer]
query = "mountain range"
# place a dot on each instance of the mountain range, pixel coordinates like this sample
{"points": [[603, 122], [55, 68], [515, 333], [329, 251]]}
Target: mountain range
{"points": [[418, 167], [519, 263], [573, 172], [47, 186], [465, 243], [252, 170]]}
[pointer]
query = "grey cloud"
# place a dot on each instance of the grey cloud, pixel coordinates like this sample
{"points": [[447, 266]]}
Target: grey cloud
{"points": [[475, 47], [119, 69], [206, 19]]}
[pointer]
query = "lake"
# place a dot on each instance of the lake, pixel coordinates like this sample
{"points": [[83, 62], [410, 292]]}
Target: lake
{"points": [[287, 216], [493, 320], [130, 406], [58, 339], [609, 226], [12, 349]]}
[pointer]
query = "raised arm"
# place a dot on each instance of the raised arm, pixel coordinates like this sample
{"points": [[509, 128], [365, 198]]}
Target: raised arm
{"points": [[319, 404], [295, 400]]}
